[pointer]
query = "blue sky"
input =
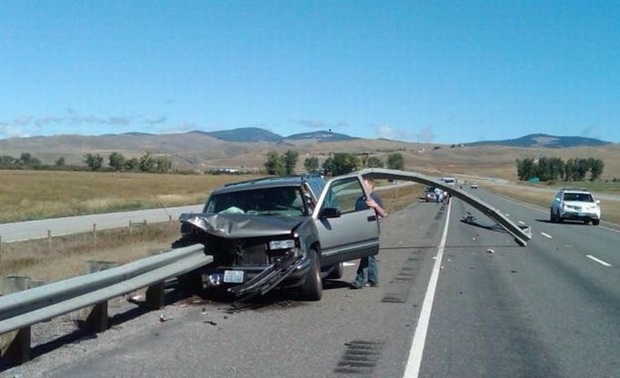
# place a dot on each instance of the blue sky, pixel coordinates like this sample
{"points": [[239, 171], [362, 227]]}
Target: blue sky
{"points": [[419, 71]]}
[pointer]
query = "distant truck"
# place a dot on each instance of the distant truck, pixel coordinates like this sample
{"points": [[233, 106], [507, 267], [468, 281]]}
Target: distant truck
{"points": [[449, 181]]}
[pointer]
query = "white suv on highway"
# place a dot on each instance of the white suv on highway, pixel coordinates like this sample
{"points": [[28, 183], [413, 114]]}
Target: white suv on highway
{"points": [[575, 204]]}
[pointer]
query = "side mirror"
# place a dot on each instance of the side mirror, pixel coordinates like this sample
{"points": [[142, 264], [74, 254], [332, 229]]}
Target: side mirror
{"points": [[329, 212]]}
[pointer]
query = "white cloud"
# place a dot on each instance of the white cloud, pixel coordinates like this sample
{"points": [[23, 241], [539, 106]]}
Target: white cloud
{"points": [[73, 118], [425, 135], [385, 132], [320, 125], [9, 131]]}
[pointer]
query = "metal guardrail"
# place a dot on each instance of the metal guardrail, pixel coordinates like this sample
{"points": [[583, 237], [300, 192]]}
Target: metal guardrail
{"points": [[25, 308], [31, 306], [520, 234]]}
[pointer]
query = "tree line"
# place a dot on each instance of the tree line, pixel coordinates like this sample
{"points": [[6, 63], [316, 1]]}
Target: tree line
{"points": [[336, 164], [551, 169], [93, 162]]}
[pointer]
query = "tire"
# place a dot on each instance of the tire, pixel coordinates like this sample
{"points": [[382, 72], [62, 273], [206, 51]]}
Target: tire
{"points": [[337, 272], [596, 222], [312, 288], [552, 217]]}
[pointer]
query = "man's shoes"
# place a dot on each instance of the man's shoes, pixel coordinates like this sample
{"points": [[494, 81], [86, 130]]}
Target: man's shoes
{"points": [[356, 286]]}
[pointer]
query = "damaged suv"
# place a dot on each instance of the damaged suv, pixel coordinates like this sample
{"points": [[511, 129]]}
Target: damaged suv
{"points": [[285, 232]]}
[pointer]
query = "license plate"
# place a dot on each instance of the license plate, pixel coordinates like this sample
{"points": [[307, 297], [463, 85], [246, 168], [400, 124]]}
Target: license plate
{"points": [[233, 276]]}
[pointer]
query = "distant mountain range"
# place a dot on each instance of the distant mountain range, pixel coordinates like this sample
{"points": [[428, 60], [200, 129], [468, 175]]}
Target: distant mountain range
{"points": [[247, 147], [256, 134], [544, 140]]}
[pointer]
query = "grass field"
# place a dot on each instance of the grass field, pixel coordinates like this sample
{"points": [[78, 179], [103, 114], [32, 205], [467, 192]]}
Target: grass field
{"points": [[27, 195]]}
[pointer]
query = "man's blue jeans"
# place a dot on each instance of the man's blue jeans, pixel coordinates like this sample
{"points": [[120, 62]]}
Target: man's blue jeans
{"points": [[367, 271]]}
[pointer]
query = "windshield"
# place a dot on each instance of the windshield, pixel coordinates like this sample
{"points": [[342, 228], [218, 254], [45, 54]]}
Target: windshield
{"points": [[286, 201], [581, 197]]}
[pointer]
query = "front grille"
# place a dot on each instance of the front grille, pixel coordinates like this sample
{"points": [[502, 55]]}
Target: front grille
{"points": [[252, 252], [237, 252]]}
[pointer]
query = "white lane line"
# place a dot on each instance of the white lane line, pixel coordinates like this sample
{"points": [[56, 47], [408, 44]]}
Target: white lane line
{"points": [[348, 264], [546, 235], [419, 338], [598, 260]]}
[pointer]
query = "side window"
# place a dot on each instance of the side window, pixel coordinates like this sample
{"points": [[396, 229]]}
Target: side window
{"points": [[344, 195]]}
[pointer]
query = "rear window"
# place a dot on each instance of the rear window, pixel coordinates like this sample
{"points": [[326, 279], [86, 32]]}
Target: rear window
{"points": [[580, 197]]}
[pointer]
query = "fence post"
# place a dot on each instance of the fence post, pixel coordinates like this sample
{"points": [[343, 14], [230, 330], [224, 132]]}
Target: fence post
{"points": [[15, 345], [94, 238], [49, 241], [95, 317]]}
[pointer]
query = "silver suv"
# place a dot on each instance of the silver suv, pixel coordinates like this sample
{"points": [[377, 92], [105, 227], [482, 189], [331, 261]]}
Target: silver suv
{"points": [[285, 232], [575, 204]]}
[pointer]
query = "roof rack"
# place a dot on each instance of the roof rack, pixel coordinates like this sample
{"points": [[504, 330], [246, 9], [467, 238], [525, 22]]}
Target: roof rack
{"points": [[580, 189], [303, 176]]}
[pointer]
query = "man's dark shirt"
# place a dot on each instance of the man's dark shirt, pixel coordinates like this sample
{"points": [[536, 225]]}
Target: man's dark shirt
{"points": [[360, 204]]}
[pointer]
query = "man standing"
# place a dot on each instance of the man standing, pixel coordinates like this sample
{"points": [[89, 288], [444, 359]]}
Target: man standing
{"points": [[367, 273]]}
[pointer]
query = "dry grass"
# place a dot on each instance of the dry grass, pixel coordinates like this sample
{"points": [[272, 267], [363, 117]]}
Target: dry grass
{"points": [[30, 195], [63, 257]]}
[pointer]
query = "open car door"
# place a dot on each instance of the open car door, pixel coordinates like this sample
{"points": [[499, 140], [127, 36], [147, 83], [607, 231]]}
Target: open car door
{"points": [[347, 228]]}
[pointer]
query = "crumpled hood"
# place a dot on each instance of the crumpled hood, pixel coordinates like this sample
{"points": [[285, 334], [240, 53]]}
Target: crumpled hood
{"points": [[242, 225]]}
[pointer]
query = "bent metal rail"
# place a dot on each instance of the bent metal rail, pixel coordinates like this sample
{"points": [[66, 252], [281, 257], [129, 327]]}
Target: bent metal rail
{"points": [[520, 234]]}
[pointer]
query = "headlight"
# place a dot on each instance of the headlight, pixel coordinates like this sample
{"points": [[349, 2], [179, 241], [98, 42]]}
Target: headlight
{"points": [[281, 244]]}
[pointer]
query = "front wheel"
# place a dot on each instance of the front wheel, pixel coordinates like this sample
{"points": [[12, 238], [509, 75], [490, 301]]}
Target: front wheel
{"points": [[596, 222], [312, 288]]}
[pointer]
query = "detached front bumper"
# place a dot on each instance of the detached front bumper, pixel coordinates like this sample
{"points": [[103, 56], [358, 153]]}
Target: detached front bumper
{"points": [[242, 281]]}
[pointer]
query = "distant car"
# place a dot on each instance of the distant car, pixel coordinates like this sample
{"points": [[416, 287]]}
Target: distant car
{"points": [[434, 194], [473, 185], [429, 194], [575, 204], [449, 180]]}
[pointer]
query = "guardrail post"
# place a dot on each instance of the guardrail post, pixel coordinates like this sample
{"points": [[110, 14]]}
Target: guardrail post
{"points": [[155, 296], [96, 317], [15, 345]]}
